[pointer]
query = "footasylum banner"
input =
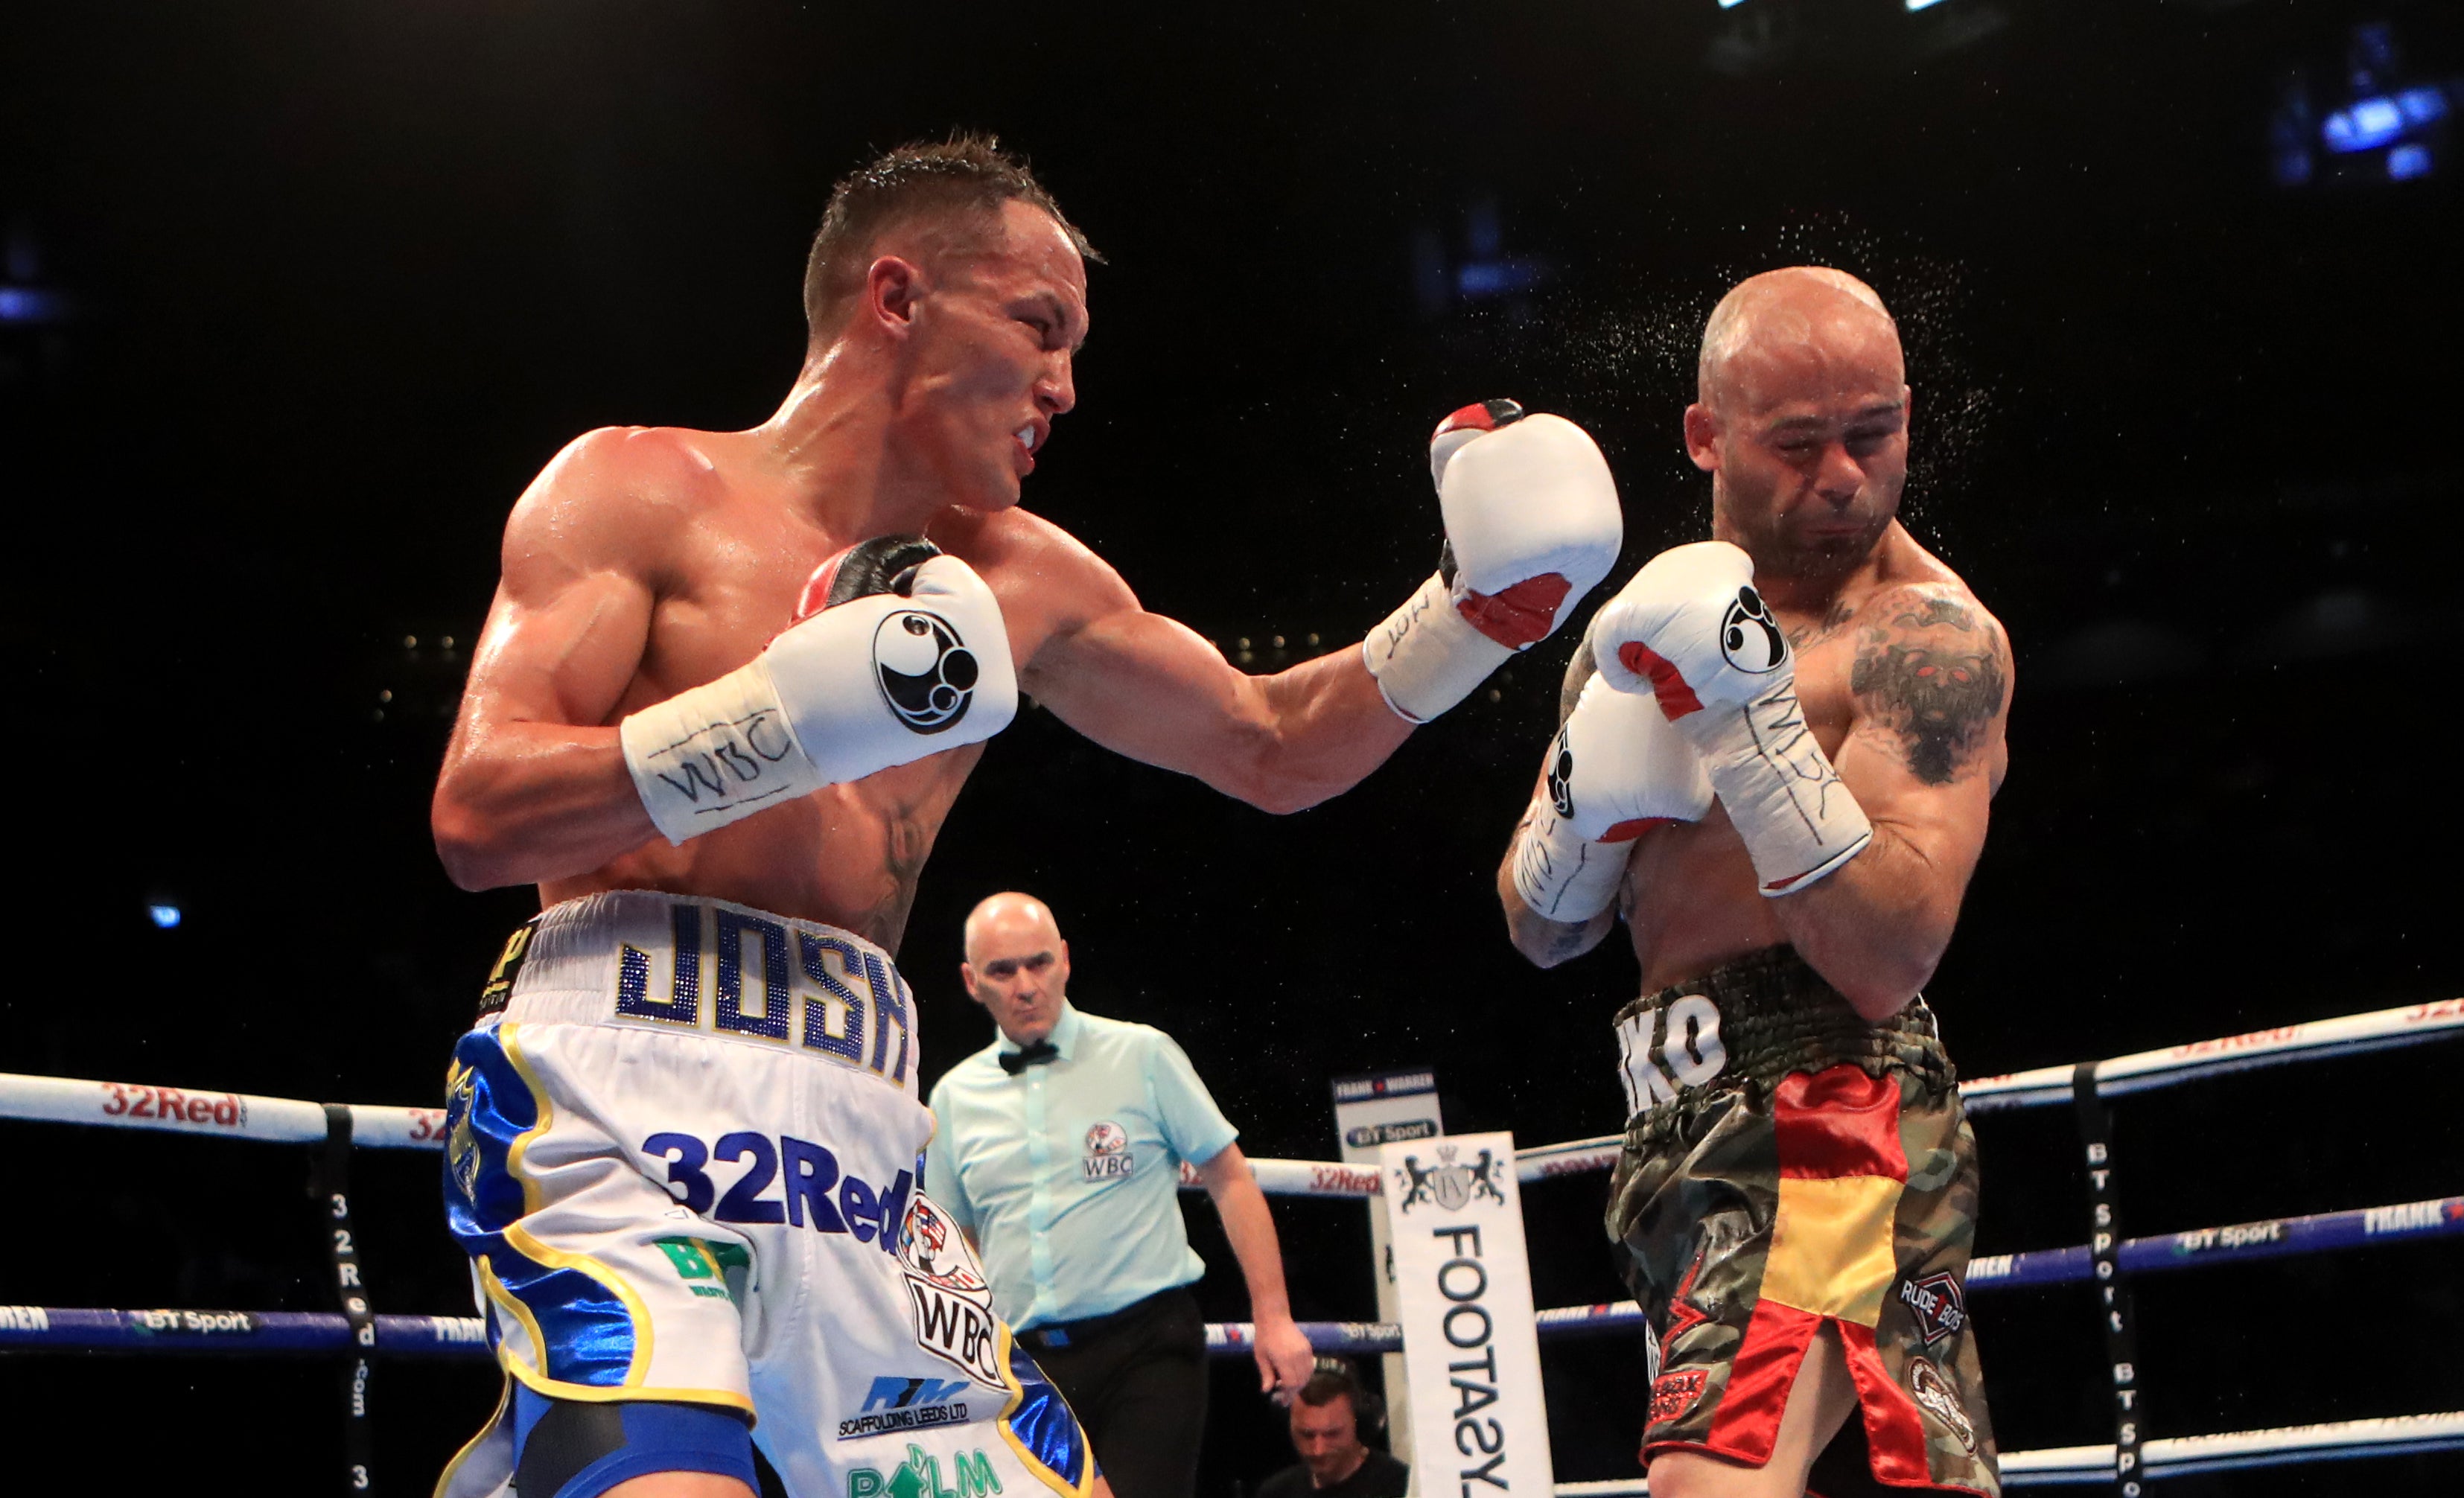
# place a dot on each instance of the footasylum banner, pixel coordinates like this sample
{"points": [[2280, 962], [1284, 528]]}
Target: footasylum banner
{"points": [[1480, 1424]]}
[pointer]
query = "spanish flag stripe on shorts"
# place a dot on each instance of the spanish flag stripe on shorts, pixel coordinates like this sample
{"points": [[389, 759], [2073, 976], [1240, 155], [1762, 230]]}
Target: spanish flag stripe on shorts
{"points": [[1841, 1170]]}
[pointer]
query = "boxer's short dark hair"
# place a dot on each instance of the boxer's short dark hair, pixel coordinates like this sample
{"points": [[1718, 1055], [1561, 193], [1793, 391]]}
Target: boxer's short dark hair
{"points": [[967, 173]]}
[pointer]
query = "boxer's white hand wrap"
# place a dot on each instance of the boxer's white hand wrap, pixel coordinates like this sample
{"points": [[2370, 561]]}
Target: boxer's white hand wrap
{"points": [[1690, 631], [1617, 770], [1427, 656], [859, 687], [1532, 523]]}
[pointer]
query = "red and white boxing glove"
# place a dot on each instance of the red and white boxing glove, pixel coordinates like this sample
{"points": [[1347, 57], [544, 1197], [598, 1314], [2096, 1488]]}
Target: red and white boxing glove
{"points": [[1616, 770], [1690, 631], [903, 654], [1532, 524]]}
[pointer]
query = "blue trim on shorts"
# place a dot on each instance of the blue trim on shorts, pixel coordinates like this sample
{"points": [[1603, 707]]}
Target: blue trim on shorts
{"points": [[1042, 1422], [659, 1437], [589, 1333]]}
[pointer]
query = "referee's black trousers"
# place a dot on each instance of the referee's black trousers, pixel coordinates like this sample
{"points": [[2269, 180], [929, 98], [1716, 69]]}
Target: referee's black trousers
{"points": [[1137, 1383]]}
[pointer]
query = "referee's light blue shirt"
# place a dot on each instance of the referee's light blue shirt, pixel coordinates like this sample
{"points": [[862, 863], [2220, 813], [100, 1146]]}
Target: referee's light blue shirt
{"points": [[1069, 1174]]}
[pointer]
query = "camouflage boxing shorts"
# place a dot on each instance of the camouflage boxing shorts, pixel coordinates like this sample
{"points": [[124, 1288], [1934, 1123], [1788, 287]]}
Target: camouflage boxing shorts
{"points": [[1788, 1164]]}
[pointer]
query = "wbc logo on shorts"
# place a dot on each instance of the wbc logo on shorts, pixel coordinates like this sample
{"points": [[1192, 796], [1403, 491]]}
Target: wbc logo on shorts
{"points": [[952, 1300], [1749, 639], [927, 674]]}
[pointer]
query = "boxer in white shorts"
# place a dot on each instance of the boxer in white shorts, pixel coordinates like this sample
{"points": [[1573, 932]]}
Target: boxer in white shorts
{"points": [[593, 1120], [730, 686]]}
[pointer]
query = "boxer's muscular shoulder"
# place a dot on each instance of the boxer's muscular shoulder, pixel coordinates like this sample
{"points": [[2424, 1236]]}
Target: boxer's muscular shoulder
{"points": [[1017, 546], [616, 497], [1050, 583], [1930, 675]]}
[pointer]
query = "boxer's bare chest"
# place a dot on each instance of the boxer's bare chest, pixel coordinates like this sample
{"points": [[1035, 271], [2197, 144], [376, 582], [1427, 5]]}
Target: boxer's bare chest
{"points": [[849, 855]]}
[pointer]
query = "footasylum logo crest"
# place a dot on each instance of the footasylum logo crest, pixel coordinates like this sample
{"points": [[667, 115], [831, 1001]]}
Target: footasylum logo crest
{"points": [[1450, 1183]]}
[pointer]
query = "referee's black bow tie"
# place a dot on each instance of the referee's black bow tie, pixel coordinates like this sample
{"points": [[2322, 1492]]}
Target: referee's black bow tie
{"points": [[1017, 1061]]}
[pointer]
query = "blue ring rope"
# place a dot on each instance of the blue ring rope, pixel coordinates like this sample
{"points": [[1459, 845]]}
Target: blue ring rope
{"points": [[39, 1328]]}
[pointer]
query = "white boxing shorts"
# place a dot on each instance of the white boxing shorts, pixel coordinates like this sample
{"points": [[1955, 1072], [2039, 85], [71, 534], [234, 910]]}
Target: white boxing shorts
{"points": [[682, 1152]]}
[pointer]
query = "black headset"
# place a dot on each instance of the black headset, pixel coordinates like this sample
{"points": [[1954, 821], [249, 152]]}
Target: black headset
{"points": [[1368, 1410]]}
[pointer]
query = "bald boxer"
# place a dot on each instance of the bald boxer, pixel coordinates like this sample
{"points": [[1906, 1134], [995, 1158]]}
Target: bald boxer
{"points": [[1779, 777], [731, 684]]}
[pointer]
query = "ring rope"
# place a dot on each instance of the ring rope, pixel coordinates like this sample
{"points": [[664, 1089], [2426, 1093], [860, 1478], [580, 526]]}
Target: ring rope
{"points": [[2141, 1071], [236, 1116], [67, 1328], [61, 1329], [2326, 1232], [58, 1329], [285, 1120]]}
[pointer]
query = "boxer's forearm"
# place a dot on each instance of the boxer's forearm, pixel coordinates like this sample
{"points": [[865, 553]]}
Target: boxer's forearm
{"points": [[525, 803], [1878, 927], [1283, 742], [1327, 728], [1150, 687]]}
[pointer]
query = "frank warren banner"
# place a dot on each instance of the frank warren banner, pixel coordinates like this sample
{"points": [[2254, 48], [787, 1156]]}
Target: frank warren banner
{"points": [[1379, 1109], [1480, 1425]]}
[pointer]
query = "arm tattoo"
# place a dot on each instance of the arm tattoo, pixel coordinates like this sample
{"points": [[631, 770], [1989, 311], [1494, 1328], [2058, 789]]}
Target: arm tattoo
{"points": [[1803, 636], [1933, 676]]}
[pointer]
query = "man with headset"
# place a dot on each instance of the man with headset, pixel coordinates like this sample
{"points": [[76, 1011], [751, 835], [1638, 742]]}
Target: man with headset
{"points": [[1329, 1421]]}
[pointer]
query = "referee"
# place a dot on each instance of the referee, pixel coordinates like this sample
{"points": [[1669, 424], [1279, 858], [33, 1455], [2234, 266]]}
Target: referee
{"points": [[1059, 1151]]}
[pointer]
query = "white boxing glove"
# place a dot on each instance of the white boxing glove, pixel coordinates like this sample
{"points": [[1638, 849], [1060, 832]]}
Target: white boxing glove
{"points": [[1616, 770], [898, 652], [1690, 632], [1532, 524]]}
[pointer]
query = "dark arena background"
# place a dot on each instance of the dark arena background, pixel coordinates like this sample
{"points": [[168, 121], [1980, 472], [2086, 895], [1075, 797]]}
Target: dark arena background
{"points": [[298, 296]]}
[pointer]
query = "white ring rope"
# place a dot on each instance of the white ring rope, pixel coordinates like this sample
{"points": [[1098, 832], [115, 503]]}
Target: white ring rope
{"points": [[285, 1120], [2312, 1040], [237, 1115]]}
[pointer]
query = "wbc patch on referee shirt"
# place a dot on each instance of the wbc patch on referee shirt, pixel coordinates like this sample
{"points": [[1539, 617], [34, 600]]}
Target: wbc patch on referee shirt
{"points": [[1108, 1156]]}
